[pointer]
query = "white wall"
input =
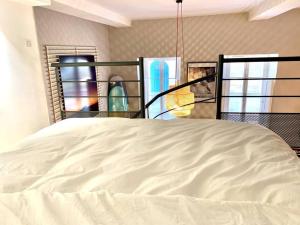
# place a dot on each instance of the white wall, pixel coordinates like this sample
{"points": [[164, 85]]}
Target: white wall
{"points": [[23, 106]]}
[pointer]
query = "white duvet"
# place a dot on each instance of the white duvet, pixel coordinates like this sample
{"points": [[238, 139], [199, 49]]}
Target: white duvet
{"points": [[121, 171]]}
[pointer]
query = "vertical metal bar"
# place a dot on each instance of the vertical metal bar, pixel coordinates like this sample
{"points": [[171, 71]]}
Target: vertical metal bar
{"points": [[162, 79], [59, 93], [220, 86], [142, 87]]}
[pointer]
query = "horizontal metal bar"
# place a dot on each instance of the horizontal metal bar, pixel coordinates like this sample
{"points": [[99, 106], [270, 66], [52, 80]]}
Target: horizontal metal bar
{"points": [[70, 46], [260, 96], [99, 111], [254, 78], [296, 149], [242, 113], [100, 96], [121, 63], [262, 59], [98, 81]]}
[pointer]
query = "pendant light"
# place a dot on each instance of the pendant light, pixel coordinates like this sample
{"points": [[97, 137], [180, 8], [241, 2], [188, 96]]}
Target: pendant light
{"points": [[179, 101]]}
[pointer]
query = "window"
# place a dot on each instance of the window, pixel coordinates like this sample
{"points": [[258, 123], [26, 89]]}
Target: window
{"points": [[249, 87], [160, 75]]}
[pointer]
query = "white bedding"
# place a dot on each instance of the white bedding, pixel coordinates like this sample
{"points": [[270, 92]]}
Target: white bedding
{"points": [[121, 171]]}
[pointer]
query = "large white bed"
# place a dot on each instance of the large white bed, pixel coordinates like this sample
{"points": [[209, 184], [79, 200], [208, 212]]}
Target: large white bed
{"points": [[122, 171]]}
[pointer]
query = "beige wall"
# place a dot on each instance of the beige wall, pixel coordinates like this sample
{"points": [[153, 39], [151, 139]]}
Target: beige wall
{"points": [[206, 37], [287, 87], [55, 28], [23, 106]]}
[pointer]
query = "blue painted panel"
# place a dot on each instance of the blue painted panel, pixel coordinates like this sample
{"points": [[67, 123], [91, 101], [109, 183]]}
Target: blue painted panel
{"points": [[156, 78]]}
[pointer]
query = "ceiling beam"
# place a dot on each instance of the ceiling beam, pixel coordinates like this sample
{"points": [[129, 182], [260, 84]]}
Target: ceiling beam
{"points": [[271, 8], [90, 11], [33, 2]]}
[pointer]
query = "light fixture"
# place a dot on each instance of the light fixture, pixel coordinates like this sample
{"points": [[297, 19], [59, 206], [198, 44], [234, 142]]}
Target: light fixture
{"points": [[179, 102]]}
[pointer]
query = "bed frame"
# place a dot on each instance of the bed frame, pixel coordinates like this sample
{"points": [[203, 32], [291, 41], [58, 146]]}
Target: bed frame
{"points": [[285, 124]]}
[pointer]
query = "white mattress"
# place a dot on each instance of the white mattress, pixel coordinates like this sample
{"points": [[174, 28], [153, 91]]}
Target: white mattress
{"points": [[121, 171]]}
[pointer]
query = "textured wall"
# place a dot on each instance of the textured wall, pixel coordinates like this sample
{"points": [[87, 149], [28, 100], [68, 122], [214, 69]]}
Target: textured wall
{"points": [[287, 87], [55, 28], [207, 37]]}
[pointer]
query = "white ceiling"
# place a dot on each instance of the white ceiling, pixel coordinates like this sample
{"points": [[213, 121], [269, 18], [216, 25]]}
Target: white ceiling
{"points": [[152, 9], [120, 13]]}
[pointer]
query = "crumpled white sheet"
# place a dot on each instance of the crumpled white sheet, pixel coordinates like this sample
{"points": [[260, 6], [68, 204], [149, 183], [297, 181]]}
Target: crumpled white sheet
{"points": [[232, 170], [37, 208]]}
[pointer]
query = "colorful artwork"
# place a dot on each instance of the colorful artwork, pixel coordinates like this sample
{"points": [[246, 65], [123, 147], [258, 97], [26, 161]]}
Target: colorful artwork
{"points": [[79, 84], [205, 89]]}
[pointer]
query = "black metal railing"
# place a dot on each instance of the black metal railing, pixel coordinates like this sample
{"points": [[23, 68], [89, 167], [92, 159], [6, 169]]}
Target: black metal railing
{"points": [[285, 124], [164, 93], [67, 114]]}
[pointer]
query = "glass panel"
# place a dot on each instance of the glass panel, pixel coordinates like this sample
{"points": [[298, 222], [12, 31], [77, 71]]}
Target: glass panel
{"points": [[235, 104], [172, 82], [254, 87], [237, 70], [155, 109], [172, 68], [272, 69], [253, 105], [256, 69], [236, 87]]}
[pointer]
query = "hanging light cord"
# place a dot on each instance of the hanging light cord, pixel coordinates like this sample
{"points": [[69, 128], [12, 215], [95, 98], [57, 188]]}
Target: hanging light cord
{"points": [[177, 34], [182, 36], [179, 18]]}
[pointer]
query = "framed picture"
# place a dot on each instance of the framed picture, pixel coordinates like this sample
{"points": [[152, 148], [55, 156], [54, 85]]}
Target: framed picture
{"points": [[205, 89]]}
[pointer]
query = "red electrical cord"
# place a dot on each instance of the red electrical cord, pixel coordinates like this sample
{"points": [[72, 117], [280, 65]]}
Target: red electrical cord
{"points": [[182, 37], [177, 29], [177, 36]]}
